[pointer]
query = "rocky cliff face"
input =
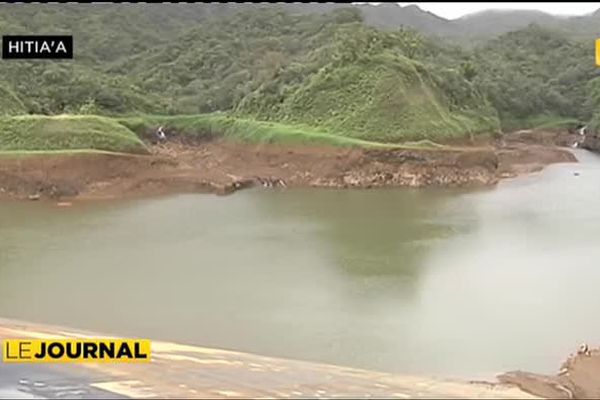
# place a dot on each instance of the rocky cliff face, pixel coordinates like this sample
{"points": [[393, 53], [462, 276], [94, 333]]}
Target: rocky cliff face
{"points": [[592, 143]]}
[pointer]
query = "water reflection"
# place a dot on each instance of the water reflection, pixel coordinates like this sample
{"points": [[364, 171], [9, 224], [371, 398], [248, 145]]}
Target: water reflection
{"points": [[376, 239]]}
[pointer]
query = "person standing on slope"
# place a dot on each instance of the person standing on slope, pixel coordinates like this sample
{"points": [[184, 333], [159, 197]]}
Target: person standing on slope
{"points": [[161, 133]]}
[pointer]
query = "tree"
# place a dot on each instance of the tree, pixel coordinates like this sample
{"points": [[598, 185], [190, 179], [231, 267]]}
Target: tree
{"points": [[411, 41], [469, 71]]}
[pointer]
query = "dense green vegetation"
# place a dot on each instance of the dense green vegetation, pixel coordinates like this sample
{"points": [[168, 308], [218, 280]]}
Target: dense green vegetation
{"points": [[364, 84], [593, 102], [534, 73], [290, 73]]}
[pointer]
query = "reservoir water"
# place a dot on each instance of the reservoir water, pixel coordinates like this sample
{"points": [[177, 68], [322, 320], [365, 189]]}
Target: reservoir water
{"points": [[452, 283]]}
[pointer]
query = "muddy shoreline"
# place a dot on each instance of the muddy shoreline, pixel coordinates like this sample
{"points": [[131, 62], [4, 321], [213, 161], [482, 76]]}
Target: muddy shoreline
{"points": [[222, 167]]}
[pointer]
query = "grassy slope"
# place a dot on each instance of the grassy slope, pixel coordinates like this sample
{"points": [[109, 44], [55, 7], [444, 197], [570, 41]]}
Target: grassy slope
{"points": [[380, 102], [361, 86], [67, 134], [253, 131], [43, 133]]}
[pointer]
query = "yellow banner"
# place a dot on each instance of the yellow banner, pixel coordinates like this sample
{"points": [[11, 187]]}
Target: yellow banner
{"points": [[66, 350], [598, 52]]}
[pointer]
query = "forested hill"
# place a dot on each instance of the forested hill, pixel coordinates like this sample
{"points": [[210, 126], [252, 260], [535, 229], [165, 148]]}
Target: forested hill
{"points": [[473, 28], [360, 71], [156, 22], [536, 71]]}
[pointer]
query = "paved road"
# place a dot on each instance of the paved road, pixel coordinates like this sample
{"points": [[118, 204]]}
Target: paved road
{"points": [[179, 371], [50, 382]]}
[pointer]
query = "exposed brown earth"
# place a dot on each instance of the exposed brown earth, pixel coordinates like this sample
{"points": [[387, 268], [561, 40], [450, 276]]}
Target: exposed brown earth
{"points": [[578, 378], [223, 167]]}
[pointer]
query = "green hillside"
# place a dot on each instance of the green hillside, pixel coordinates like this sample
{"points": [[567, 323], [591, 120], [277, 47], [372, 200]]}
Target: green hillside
{"points": [[213, 66], [293, 66], [364, 85], [536, 72], [593, 103], [330, 72]]}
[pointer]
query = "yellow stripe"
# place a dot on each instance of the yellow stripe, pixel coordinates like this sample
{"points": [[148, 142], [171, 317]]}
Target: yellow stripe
{"points": [[75, 350]]}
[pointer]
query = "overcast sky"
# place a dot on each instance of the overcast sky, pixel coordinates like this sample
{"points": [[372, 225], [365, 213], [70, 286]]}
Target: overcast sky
{"points": [[455, 10]]}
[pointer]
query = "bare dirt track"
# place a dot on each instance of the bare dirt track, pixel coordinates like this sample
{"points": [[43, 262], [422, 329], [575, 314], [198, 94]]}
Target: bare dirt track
{"points": [[222, 167]]}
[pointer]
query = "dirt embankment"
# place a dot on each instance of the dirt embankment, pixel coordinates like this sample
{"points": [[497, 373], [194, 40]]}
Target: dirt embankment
{"points": [[578, 378], [592, 143], [223, 167]]}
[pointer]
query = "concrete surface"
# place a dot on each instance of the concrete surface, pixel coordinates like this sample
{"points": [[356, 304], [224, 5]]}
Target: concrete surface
{"points": [[180, 371]]}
